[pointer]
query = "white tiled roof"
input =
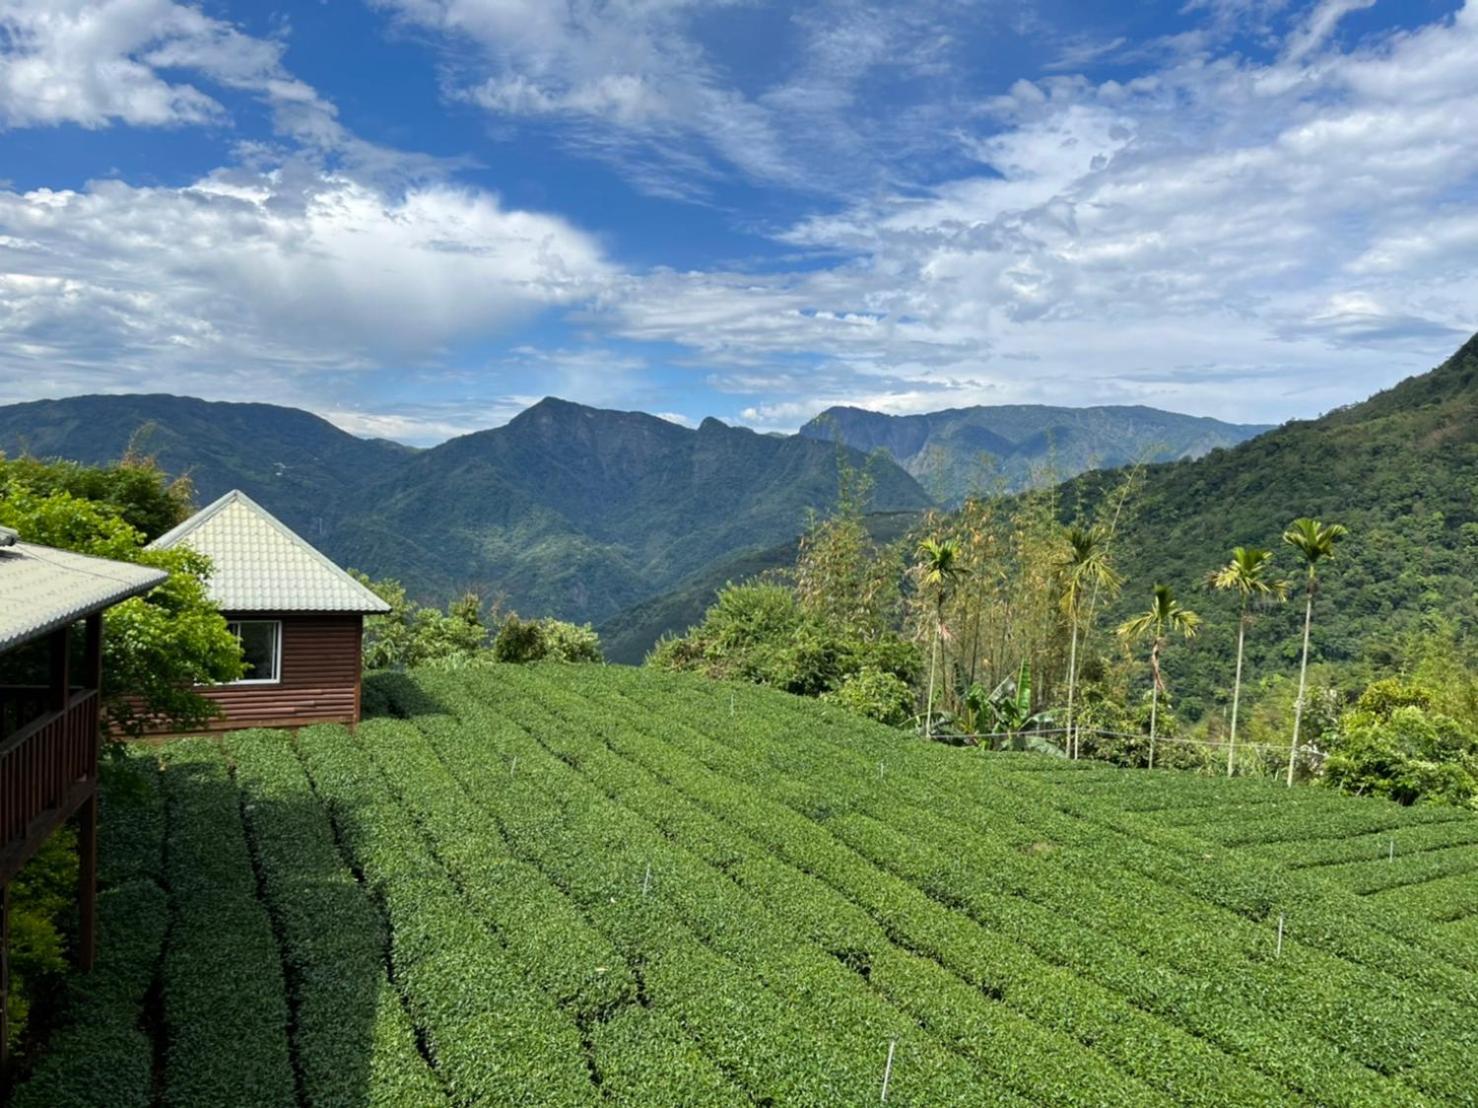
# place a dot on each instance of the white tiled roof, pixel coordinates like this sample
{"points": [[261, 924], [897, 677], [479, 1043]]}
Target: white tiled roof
{"points": [[260, 565], [42, 588]]}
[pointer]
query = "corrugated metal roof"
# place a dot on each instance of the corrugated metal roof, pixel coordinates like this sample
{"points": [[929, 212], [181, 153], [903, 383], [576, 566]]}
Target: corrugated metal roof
{"points": [[262, 565], [42, 588]]}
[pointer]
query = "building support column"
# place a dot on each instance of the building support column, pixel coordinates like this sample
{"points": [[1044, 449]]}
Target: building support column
{"points": [[59, 683], [87, 883], [4, 983], [87, 818]]}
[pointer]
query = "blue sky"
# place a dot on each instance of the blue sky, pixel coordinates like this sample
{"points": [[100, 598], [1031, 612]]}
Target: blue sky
{"points": [[416, 217]]}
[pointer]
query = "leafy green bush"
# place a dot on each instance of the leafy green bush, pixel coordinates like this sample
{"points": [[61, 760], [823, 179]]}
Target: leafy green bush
{"points": [[759, 633], [41, 897], [1392, 746], [545, 640], [409, 634], [875, 694]]}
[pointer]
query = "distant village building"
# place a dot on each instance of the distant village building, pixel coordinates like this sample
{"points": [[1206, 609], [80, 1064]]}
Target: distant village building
{"points": [[50, 682], [299, 617]]}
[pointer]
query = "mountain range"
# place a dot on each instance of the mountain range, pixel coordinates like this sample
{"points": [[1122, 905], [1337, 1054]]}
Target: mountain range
{"points": [[1009, 447], [568, 510], [633, 522]]}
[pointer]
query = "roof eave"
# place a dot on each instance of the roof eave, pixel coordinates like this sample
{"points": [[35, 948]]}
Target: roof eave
{"points": [[127, 592]]}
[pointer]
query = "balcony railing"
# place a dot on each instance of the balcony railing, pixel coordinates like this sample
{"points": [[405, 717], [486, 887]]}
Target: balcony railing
{"points": [[44, 766]]}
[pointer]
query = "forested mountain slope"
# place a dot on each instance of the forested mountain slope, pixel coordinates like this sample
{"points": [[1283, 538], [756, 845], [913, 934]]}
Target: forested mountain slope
{"points": [[1026, 443], [567, 510], [581, 513], [1400, 470], [301, 467]]}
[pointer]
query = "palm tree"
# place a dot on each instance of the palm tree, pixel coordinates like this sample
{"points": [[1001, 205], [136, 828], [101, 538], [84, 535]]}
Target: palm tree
{"points": [[1246, 574], [1086, 570], [1165, 616], [1314, 542], [939, 569]]}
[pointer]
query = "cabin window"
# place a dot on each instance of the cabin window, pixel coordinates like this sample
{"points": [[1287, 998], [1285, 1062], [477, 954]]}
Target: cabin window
{"points": [[261, 649]]}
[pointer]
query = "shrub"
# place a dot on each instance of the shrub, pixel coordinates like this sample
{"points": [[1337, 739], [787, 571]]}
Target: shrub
{"points": [[1407, 754], [545, 640], [875, 694]]}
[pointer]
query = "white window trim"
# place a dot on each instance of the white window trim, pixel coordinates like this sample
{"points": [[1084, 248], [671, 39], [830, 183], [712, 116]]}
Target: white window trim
{"points": [[276, 651]]}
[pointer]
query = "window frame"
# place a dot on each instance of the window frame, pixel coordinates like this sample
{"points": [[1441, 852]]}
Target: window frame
{"points": [[276, 678]]}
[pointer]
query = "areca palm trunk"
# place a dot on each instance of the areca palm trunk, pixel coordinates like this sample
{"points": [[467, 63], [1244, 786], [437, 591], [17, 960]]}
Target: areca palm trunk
{"points": [[1072, 678], [1237, 691], [1154, 697], [1303, 675], [929, 702]]}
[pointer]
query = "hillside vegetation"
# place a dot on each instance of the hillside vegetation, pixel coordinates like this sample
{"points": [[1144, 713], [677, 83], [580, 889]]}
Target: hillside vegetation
{"points": [[568, 511], [1399, 470], [575, 885], [1010, 447]]}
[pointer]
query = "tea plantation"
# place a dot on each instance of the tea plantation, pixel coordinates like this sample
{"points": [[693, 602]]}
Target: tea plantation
{"points": [[581, 885]]}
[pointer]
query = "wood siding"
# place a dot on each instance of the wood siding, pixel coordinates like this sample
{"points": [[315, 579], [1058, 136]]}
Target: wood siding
{"points": [[319, 671]]}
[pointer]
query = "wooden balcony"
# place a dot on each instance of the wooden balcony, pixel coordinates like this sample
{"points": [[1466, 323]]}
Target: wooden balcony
{"points": [[48, 768]]}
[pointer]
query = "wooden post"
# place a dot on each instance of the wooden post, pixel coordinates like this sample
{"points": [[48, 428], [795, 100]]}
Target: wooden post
{"points": [[59, 684], [87, 882], [87, 821], [92, 676], [4, 981]]}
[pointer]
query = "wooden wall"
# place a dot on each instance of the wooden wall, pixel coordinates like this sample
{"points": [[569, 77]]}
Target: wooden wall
{"points": [[320, 671]]}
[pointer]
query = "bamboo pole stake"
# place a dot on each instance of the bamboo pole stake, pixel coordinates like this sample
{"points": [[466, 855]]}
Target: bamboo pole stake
{"points": [[888, 1070], [1279, 952]]}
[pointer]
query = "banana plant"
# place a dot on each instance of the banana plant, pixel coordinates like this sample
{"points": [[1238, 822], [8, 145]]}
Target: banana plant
{"points": [[1007, 712]]}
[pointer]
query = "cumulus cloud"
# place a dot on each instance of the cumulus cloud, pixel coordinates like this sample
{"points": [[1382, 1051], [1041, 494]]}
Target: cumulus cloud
{"points": [[297, 268]]}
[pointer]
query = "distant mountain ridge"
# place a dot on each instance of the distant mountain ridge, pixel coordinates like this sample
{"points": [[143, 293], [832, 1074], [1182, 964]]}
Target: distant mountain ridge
{"points": [[1026, 443], [566, 510]]}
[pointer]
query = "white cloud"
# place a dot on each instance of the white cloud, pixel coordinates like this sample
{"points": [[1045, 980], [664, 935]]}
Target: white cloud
{"points": [[1160, 240], [99, 62], [645, 83], [297, 269]]}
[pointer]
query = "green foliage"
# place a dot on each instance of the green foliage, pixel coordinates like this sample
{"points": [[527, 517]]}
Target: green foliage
{"points": [[99, 1044], [41, 897], [225, 1000], [410, 634], [349, 1031], [134, 488], [874, 694], [157, 646], [760, 634], [545, 640], [1399, 471], [1394, 744]]}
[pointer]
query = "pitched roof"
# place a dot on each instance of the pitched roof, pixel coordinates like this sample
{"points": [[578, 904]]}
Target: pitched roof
{"points": [[42, 588], [262, 565]]}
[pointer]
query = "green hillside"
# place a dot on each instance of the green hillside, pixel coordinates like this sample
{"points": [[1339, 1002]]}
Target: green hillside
{"points": [[587, 885], [567, 510], [963, 450], [627, 636], [302, 467], [1400, 470], [582, 513]]}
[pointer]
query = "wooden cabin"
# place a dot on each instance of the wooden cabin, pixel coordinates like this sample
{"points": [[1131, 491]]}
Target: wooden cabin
{"points": [[50, 681], [299, 617]]}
